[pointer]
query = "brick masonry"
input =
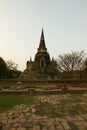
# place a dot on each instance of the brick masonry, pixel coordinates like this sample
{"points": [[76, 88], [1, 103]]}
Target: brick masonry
{"points": [[23, 117]]}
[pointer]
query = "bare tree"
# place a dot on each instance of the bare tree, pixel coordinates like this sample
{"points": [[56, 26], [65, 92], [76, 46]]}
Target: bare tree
{"points": [[11, 65], [73, 61]]}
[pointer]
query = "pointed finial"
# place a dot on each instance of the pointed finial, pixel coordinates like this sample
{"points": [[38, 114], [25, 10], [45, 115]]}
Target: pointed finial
{"points": [[42, 35], [42, 46]]}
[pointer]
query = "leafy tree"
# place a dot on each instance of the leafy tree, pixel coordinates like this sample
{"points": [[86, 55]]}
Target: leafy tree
{"points": [[3, 68], [8, 70]]}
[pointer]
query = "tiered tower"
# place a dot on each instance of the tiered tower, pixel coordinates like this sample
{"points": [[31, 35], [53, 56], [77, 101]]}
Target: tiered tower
{"points": [[42, 58], [42, 67]]}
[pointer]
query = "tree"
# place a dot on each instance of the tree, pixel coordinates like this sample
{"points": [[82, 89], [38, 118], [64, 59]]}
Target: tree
{"points": [[69, 62], [84, 72], [9, 70], [3, 68], [13, 68], [11, 65]]}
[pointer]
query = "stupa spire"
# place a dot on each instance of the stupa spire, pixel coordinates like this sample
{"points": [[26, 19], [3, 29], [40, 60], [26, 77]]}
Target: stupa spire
{"points": [[42, 46]]}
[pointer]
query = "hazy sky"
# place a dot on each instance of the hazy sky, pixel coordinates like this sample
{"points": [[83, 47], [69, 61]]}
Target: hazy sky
{"points": [[21, 21]]}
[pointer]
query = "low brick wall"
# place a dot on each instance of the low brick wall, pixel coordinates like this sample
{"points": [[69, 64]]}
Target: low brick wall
{"points": [[41, 92], [13, 81]]}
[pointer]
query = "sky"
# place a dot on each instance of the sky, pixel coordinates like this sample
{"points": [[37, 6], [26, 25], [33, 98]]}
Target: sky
{"points": [[64, 23]]}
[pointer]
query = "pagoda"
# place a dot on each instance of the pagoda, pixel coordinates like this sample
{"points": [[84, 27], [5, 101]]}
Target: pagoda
{"points": [[42, 67]]}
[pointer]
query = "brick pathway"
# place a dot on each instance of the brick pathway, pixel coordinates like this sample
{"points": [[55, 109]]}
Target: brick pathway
{"points": [[23, 117]]}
